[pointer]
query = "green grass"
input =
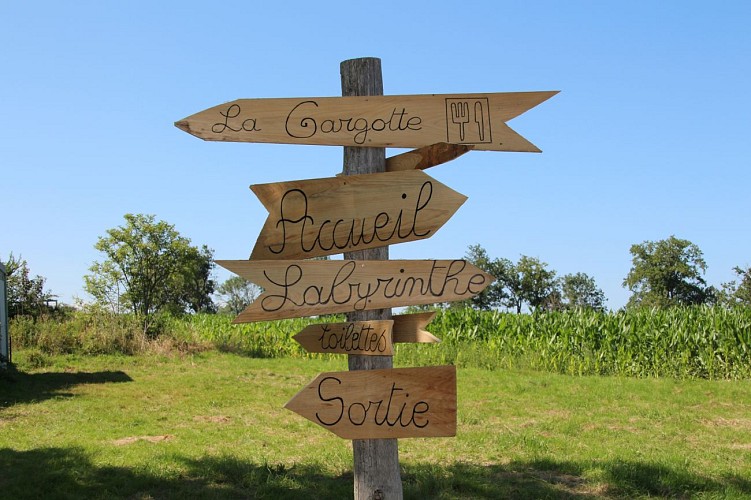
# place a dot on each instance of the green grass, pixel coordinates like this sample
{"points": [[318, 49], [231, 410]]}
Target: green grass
{"points": [[692, 342], [211, 425]]}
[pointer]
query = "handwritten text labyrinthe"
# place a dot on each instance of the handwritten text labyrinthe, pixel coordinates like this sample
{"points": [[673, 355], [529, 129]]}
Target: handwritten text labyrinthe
{"points": [[410, 121], [316, 217], [306, 288]]}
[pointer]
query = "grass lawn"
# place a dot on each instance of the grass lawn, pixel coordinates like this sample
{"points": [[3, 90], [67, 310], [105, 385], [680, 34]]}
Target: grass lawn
{"points": [[211, 425]]}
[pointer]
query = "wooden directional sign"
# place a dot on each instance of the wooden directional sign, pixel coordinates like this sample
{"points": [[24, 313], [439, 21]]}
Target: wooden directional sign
{"points": [[429, 156], [294, 289], [369, 338], [311, 218], [411, 328], [373, 404], [409, 121]]}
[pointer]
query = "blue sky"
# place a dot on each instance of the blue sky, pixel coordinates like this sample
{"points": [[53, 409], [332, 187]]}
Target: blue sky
{"points": [[648, 138]]}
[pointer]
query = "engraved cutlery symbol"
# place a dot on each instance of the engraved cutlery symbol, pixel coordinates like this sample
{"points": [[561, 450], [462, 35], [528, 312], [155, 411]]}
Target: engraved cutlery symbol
{"points": [[479, 120], [468, 120], [460, 116]]}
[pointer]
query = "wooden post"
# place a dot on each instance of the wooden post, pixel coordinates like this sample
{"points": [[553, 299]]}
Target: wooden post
{"points": [[376, 461]]}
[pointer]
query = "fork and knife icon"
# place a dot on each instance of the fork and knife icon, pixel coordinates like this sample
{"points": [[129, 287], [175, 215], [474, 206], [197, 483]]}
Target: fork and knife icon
{"points": [[460, 116]]}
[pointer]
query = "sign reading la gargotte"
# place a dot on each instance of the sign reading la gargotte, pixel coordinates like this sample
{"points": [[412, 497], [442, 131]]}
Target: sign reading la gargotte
{"points": [[374, 404], [294, 289], [317, 217], [368, 338], [407, 121]]}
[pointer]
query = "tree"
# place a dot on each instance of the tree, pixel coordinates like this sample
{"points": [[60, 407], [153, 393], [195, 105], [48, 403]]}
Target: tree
{"points": [[667, 273], [537, 283], [494, 295], [527, 282], [580, 291], [149, 268], [738, 294], [26, 295], [236, 294]]}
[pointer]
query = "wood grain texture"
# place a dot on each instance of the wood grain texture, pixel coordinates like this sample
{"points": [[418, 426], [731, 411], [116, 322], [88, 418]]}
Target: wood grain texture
{"points": [[318, 217], [375, 461], [429, 156], [411, 328], [404, 121], [366, 338], [294, 289], [373, 404]]}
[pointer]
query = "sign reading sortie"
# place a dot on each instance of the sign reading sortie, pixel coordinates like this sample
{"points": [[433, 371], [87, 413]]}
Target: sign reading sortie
{"points": [[407, 121]]}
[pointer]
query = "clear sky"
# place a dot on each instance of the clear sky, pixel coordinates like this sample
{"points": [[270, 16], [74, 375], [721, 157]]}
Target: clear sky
{"points": [[648, 138]]}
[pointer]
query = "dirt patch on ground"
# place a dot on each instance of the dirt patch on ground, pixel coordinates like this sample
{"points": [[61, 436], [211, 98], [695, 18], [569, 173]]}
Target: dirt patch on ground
{"points": [[213, 419], [736, 423], [150, 439]]}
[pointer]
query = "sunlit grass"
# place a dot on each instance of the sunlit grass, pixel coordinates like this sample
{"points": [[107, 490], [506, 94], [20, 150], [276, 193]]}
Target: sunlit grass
{"points": [[212, 425]]}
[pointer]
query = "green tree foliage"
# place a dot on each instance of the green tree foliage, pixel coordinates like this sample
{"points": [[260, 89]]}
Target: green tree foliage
{"points": [[26, 295], [236, 294], [537, 282], [528, 282], [494, 295], [667, 273], [579, 291], [736, 293], [149, 268]]}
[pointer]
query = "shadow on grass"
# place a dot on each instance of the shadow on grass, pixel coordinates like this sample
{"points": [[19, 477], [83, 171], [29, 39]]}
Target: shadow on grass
{"points": [[19, 387], [70, 473]]}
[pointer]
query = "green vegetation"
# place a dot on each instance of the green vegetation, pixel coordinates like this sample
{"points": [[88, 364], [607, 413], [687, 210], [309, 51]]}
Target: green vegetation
{"points": [[691, 342], [212, 425]]}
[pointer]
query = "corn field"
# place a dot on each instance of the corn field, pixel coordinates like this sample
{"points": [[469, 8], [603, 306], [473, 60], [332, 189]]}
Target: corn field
{"points": [[695, 342]]}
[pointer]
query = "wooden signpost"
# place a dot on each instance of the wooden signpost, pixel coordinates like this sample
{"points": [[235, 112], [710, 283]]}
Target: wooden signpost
{"points": [[317, 217], [294, 289], [411, 328], [426, 157], [406, 121], [368, 338], [376, 203], [372, 404]]}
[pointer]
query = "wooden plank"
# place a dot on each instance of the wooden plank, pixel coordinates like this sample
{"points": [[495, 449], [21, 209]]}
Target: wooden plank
{"points": [[411, 328], [294, 289], [375, 462], [402, 121], [372, 404], [316, 217], [367, 338], [429, 156]]}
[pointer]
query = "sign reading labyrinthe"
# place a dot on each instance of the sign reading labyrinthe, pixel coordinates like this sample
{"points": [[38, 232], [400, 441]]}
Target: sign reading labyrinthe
{"points": [[408, 121], [373, 404], [294, 289], [318, 217]]}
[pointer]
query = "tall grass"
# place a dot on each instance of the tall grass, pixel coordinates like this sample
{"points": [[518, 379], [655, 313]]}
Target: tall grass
{"points": [[696, 342]]}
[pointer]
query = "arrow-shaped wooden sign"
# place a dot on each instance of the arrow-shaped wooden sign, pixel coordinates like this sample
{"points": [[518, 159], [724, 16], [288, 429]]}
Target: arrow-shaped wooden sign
{"points": [[294, 289], [407, 121], [429, 156], [316, 217], [369, 338], [374, 404], [411, 328]]}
